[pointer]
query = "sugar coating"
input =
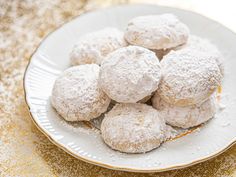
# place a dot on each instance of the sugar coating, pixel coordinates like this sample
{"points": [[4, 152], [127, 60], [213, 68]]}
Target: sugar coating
{"points": [[129, 74], [93, 47], [196, 43], [133, 128], [76, 95], [185, 117], [156, 31], [204, 45], [188, 77], [200, 44]]}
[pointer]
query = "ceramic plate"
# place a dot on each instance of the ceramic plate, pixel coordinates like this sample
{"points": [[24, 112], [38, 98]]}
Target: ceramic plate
{"points": [[84, 142]]}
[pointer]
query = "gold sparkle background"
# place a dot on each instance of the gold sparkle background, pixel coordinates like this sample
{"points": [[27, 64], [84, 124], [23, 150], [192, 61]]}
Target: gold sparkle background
{"points": [[24, 151]]}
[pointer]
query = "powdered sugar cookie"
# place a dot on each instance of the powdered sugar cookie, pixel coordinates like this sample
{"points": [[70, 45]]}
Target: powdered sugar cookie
{"points": [[189, 77], [133, 128], [185, 117], [129, 74], [93, 47], [199, 44], [156, 31], [76, 95], [204, 45]]}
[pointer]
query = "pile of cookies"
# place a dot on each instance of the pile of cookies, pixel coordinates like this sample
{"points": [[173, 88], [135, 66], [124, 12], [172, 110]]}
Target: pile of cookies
{"points": [[155, 58]]}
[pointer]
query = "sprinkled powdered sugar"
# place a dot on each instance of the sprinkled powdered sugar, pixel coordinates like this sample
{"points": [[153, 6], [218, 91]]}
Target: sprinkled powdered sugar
{"points": [[156, 31], [133, 128], [187, 116], [79, 127], [197, 43], [23, 147], [204, 45], [128, 69], [76, 95], [189, 77], [93, 47]]}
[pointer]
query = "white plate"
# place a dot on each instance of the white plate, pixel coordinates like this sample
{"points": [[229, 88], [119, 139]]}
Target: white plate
{"points": [[51, 58]]}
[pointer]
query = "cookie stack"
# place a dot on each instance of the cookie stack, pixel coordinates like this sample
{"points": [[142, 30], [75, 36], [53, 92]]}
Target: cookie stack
{"points": [[155, 58]]}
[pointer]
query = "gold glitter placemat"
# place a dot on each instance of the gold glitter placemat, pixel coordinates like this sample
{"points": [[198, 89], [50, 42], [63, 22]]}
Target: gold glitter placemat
{"points": [[24, 151]]}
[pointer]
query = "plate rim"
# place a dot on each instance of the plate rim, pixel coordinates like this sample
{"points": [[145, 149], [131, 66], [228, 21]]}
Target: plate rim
{"points": [[106, 165]]}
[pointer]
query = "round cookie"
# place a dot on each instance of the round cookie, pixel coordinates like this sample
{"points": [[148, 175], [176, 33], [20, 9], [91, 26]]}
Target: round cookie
{"points": [[188, 77], [156, 31], [204, 45], [185, 117], [133, 128], [76, 95], [129, 74], [199, 44], [93, 47]]}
